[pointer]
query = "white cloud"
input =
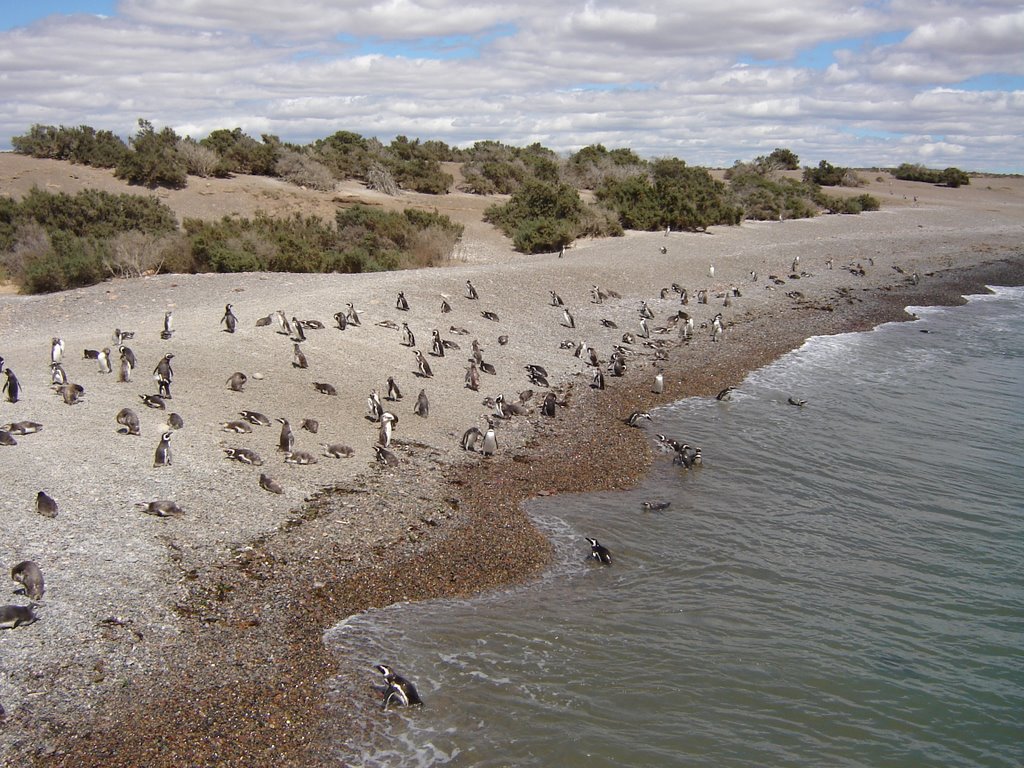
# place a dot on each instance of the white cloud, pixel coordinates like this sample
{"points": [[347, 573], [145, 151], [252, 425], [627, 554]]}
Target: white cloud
{"points": [[662, 77]]}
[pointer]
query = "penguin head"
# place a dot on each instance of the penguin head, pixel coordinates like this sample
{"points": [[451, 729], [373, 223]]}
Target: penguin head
{"points": [[384, 670]]}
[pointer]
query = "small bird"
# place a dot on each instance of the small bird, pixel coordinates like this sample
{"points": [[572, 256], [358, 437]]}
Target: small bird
{"points": [[399, 690], [229, 321], [599, 552]]}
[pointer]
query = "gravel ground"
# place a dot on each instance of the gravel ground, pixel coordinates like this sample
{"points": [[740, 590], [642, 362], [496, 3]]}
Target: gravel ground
{"points": [[196, 640]]}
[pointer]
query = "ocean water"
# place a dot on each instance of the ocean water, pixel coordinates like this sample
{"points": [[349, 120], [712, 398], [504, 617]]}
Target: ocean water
{"points": [[841, 584]]}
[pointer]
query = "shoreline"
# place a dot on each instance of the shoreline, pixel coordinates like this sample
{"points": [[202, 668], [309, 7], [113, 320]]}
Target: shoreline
{"points": [[199, 640], [246, 717]]}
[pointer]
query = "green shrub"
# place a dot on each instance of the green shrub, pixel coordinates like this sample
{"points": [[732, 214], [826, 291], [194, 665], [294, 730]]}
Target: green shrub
{"points": [[97, 214], [828, 175], [154, 160], [83, 145]]}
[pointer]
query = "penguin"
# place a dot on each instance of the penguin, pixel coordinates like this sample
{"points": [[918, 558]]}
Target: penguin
{"points": [[341, 320], [298, 334], [254, 417], [324, 388], [797, 402], [656, 506], [160, 508], [168, 330], [645, 311], [556, 300], [399, 690], [472, 377], [268, 483], [492, 316], [28, 574], [408, 339], [71, 393], [56, 350], [471, 439], [238, 426], [153, 401], [301, 458], [229, 321], [702, 296], [636, 417], [6, 438], [162, 456], [548, 409], [659, 383], [471, 291], [236, 382], [58, 375], [387, 419], [129, 421], [90, 354], [163, 374], [401, 303], [244, 456], [567, 319], [46, 505], [283, 326], [314, 325], [437, 345], [422, 407], [645, 331], [23, 427], [286, 441], [353, 315], [445, 306], [617, 365], [458, 330], [12, 616], [263, 322], [384, 456], [537, 378], [310, 425], [796, 263], [124, 370], [599, 552], [725, 395], [609, 324], [423, 365], [394, 393], [337, 450], [11, 386], [374, 409], [711, 271], [489, 445], [299, 359], [174, 421], [716, 327]]}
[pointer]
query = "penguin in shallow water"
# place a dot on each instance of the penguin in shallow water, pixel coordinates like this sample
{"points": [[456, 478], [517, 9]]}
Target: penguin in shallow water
{"points": [[399, 690], [599, 552], [636, 417], [162, 456]]}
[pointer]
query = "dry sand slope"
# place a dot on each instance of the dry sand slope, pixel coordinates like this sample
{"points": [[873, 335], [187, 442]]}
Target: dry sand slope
{"points": [[126, 591]]}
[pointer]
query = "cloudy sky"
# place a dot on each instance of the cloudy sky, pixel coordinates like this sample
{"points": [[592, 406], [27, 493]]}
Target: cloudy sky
{"points": [[939, 82]]}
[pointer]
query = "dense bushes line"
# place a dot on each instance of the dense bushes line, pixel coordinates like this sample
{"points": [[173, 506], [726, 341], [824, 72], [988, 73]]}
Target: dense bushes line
{"points": [[52, 242], [951, 177]]}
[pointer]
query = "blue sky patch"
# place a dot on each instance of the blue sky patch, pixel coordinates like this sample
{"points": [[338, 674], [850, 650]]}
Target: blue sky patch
{"points": [[21, 13], [441, 48]]}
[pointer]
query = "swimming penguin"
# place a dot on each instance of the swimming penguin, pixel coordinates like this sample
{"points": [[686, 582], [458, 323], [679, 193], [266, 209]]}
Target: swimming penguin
{"points": [[797, 402], [310, 425], [28, 574], [268, 483], [153, 401], [725, 395], [129, 421], [436, 344], [659, 383], [286, 441], [656, 506], [422, 407], [471, 291], [163, 374], [337, 450], [394, 393], [324, 388], [299, 359], [255, 417], [401, 303], [244, 456], [11, 386], [408, 338], [599, 552], [236, 382], [45, 505], [229, 321], [168, 330], [162, 456], [56, 350], [399, 690], [12, 616], [160, 508], [423, 365]]}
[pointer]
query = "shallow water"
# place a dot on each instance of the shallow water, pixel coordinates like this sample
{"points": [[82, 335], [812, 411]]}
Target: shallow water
{"points": [[839, 585]]}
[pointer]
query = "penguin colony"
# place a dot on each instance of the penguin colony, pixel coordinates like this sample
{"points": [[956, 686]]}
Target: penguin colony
{"points": [[597, 349]]}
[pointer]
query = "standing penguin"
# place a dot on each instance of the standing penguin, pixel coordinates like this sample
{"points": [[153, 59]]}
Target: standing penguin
{"points": [[163, 375], [384, 433], [645, 331], [286, 441], [659, 383], [394, 393], [408, 338], [422, 407], [437, 345], [104, 360], [567, 318], [401, 303], [168, 330], [11, 386], [56, 350], [229, 321], [716, 327], [423, 365], [472, 377], [162, 457], [299, 358], [471, 291], [489, 446]]}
